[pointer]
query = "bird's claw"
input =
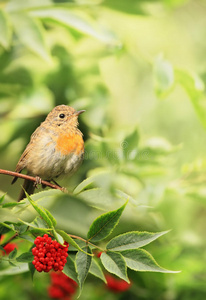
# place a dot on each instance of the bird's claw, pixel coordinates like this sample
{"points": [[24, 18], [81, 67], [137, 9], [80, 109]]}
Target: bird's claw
{"points": [[37, 182]]}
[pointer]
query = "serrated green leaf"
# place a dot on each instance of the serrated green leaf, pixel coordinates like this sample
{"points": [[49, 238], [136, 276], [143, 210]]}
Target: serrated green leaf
{"points": [[25, 257], [69, 240], [13, 253], [132, 240], [70, 269], [5, 29], [104, 225], [96, 270], [115, 263], [83, 263], [31, 33], [54, 222], [141, 260], [40, 211]]}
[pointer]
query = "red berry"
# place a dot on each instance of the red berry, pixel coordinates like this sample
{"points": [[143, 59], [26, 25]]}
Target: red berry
{"points": [[9, 248]]}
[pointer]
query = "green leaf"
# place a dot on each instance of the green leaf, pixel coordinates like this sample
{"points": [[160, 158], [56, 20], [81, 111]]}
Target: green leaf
{"points": [[81, 23], [70, 269], [29, 224], [80, 243], [83, 263], [195, 88], [2, 198], [27, 237], [25, 257], [22, 268], [12, 204], [129, 145], [31, 269], [35, 226], [69, 240], [126, 7], [97, 197], [30, 33], [12, 264], [39, 231], [115, 263], [13, 254], [54, 222], [84, 184], [4, 228], [141, 260], [40, 211], [5, 29], [96, 270], [58, 237], [2, 249], [39, 222], [163, 76], [21, 228], [132, 240], [104, 224]]}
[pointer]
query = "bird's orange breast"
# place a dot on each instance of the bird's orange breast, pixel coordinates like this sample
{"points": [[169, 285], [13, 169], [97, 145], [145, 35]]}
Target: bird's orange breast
{"points": [[72, 143]]}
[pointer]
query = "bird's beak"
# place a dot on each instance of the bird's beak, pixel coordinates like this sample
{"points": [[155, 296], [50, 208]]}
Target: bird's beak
{"points": [[77, 113]]}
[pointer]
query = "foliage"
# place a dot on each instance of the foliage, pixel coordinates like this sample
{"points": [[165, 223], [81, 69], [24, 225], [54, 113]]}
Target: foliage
{"points": [[138, 69]]}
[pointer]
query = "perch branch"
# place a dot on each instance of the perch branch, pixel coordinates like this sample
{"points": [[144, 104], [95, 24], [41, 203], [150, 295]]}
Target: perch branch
{"points": [[31, 178]]}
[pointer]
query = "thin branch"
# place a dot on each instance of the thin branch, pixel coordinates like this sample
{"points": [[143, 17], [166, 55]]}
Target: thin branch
{"points": [[31, 178], [86, 241]]}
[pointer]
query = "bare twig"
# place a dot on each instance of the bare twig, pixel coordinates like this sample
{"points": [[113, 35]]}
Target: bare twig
{"points": [[31, 178]]}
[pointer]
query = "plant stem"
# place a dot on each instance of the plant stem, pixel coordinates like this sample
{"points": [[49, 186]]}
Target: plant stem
{"points": [[86, 241]]}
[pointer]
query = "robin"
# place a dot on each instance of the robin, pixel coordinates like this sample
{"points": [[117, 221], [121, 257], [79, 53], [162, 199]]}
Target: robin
{"points": [[56, 147]]}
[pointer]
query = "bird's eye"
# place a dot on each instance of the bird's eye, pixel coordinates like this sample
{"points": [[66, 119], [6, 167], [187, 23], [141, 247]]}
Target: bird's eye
{"points": [[62, 116]]}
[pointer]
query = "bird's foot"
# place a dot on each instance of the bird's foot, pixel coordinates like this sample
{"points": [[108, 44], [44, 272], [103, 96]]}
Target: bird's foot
{"points": [[37, 182]]}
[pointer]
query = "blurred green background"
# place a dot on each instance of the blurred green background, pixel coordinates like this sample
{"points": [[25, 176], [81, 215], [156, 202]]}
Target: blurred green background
{"points": [[138, 68]]}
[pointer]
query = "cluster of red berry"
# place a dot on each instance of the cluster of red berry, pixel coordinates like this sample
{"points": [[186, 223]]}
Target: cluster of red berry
{"points": [[49, 254], [62, 287]]}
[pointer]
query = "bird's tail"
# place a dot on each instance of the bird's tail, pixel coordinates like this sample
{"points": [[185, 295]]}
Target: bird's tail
{"points": [[29, 187]]}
